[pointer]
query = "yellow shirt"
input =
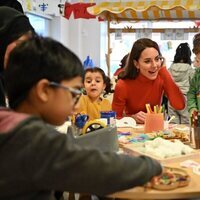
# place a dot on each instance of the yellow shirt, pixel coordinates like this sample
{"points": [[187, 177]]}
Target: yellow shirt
{"points": [[93, 109]]}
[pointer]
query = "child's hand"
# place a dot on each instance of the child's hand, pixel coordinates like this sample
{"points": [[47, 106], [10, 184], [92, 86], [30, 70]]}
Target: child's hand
{"points": [[192, 111], [139, 117]]}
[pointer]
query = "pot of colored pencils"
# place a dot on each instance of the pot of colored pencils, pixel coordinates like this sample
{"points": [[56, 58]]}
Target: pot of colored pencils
{"points": [[154, 119]]}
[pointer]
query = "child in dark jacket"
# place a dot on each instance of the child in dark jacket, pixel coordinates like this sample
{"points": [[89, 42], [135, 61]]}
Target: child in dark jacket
{"points": [[43, 81]]}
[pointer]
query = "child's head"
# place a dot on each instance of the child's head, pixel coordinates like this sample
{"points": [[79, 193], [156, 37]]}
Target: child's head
{"points": [[196, 62], [43, 78], [96, 82], [183, 54], [196, 46]]}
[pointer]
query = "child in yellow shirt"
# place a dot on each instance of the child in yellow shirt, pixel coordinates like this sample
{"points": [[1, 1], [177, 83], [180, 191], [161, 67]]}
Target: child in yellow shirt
{"points": [[93, 102]]}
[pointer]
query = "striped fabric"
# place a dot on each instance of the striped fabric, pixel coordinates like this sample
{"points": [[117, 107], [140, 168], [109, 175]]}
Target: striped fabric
{"points": [[142, 10]]}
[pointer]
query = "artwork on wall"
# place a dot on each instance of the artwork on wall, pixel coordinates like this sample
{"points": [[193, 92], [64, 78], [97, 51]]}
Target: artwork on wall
{"points": [[44, 7], [118, 34], [143, 33], [168, 34], [180, 34], [174, 34]]}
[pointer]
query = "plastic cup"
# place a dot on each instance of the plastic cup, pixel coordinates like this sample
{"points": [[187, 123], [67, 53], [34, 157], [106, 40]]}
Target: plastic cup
{"points": [[195, 137], [154, 122], [109, 117]]}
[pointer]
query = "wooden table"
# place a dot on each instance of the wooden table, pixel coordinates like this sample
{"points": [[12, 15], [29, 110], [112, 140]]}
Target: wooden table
{"points": [[188, 192]]}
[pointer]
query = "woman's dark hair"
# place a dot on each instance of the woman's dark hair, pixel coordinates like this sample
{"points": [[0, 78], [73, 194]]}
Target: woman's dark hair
{"points": [[183, 54], [131, 72], [106, 79], [123, 61], [35, 59]]}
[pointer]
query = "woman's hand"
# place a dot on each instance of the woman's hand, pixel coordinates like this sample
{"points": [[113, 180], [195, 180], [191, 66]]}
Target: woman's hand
{"points": [[162, 62], [139, 117]]}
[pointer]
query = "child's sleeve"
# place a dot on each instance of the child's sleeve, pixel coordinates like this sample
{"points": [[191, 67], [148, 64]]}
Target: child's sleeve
{"points": [[192, 95]]}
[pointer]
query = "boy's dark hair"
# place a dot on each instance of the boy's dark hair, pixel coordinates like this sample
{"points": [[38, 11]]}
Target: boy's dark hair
{"points": [[183, 54], [131, 72], [36, 59], [106, 79]]}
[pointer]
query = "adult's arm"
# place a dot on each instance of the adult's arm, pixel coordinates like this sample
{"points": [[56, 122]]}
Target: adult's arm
{"points": [[57, 163], [172, 91]]}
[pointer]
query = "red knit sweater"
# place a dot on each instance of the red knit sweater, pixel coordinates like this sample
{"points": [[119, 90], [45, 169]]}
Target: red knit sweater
{"points": [[132, 95]]}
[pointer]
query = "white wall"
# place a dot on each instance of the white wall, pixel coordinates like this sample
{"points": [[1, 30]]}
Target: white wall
{"points": [[59, 29], [81, 36]]}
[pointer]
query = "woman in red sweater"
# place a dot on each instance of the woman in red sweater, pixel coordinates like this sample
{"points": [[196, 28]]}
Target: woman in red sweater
{"points": [[144, 80]]}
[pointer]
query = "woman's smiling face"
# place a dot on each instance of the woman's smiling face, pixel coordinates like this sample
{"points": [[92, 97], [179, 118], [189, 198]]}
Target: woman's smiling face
{"points": [[149, 63]]}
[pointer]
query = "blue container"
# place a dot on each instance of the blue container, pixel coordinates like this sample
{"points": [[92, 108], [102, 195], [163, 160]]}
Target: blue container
{"points": [[110, 116]]}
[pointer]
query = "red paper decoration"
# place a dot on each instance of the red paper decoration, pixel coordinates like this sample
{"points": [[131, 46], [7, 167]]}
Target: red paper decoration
{"points": [[79, 10], [197, 23]]}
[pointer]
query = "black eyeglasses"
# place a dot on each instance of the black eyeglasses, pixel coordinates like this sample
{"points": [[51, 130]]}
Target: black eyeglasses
{"points": [[76, 94]]}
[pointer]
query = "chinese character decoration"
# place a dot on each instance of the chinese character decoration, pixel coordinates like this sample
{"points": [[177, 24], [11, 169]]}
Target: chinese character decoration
{"points": [[43, 6], [61, 8]]}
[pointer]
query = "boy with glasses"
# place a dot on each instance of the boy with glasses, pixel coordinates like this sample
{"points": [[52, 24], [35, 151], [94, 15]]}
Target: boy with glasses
{"points": [[43, 79]]}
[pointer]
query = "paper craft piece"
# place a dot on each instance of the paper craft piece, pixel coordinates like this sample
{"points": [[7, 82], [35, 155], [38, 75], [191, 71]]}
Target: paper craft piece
{"points": [[171, 178], [180, 34], [79, 10], [168, 34], [196, 170], [126, 122], [189, 163], [63, 128], [118, 34], [143, 33]]}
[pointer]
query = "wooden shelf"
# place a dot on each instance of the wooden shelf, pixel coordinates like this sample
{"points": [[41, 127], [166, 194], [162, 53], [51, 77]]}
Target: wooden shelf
{"points": [[159, 30]]}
